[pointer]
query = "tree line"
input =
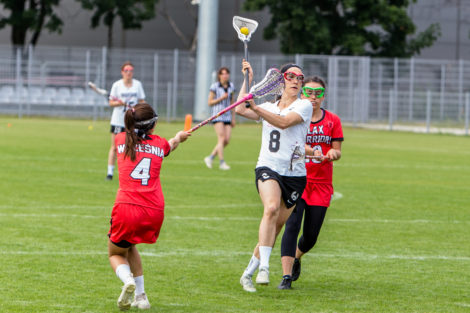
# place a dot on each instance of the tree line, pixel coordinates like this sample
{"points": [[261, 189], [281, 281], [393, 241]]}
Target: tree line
{"points": [[379, 28]]}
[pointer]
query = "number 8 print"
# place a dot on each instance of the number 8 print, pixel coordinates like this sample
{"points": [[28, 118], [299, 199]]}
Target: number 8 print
{"points": [[274, 141]]}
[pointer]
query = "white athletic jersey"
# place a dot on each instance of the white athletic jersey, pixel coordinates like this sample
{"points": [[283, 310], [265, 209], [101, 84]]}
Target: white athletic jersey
{"points": [[130, 95], [277, 145]]}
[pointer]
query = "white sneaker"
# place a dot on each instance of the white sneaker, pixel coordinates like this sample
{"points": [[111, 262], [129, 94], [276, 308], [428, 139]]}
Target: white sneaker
{"points": [[263, 276], [224, 166], [127, 293], [141, 302], [247, 284], [208, 161]]}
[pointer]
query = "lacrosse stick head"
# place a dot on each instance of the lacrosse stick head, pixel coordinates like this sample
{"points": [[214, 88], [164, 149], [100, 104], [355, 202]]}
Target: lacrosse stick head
{"points": [[271, 84], [244, 27]]}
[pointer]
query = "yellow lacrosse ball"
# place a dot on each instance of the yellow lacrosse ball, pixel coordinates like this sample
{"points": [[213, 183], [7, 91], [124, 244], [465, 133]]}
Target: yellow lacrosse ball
{"points": [[244, 30]]}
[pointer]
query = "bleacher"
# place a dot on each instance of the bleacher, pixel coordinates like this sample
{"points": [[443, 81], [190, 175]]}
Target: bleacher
{"points": [[55, 101]]}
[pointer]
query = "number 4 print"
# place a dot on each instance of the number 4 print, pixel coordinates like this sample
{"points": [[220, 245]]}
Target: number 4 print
{"points": [[141, 171]]}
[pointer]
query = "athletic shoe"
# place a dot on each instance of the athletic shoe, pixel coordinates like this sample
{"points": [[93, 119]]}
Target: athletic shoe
{"points": [[109, 177], [208, 161], [141, 302], [286, 282], [263, 276], [247, 284], [224, 166], [127, 293], [296, 269]]}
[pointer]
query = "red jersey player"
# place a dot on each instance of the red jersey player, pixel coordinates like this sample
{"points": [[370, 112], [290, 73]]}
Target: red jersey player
{"points": [[324, 139], [137, 214]]}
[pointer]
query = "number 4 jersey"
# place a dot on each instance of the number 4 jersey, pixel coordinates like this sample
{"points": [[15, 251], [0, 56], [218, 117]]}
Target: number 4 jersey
{"points": [[277, 145], [139, 180]]}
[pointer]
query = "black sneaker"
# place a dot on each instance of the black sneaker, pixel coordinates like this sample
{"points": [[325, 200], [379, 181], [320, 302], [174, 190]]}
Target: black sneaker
{"points": [[296, 269], [109, 177], [286, 282]]}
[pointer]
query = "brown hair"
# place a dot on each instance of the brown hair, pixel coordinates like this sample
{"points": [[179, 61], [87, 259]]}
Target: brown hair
{"points": [[139, 120], [314, 79], [127, 63], [219, 72]]}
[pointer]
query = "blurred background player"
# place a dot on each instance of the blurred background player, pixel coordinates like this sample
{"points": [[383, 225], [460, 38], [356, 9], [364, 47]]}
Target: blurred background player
{"points": [[220, 97], [129, 92], [280, 183], [137, 214], [324, 137]]}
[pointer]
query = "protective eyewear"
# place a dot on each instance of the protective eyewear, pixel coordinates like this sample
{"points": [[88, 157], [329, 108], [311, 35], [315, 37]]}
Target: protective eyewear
{"points": [[128, 70], [317, 92], [290, 76]]}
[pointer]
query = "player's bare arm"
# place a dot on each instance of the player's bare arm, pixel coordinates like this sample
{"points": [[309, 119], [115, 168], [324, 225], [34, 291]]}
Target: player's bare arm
{"points": [[278, 121], [334, 153], [181, 136], [241, 109], [116, 103]]}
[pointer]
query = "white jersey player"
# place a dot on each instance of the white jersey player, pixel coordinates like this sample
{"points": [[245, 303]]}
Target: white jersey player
{"points": [[279, 180], [126, 92]]}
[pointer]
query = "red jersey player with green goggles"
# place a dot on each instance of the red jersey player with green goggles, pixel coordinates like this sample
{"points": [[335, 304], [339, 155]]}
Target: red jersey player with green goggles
{"points": [[137, 214], [324, 138]]}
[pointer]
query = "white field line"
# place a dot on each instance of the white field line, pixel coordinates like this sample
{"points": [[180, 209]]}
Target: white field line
{"points": [[231, 254], [241, 218], [336, 196]]}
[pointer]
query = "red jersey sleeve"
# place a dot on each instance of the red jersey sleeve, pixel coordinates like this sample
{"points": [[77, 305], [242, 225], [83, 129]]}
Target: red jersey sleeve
{"points": [[337, 131], [166, 147]]}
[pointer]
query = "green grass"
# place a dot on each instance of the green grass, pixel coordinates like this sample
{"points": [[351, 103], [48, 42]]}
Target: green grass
{"points": [[398, 240]]}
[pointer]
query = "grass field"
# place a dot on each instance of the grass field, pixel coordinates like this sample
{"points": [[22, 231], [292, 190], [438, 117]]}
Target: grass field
{"points": [[397, 241]]}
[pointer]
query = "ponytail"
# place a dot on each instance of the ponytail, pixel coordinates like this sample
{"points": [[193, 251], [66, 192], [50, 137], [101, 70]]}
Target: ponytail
{"points": [[139, 121]]}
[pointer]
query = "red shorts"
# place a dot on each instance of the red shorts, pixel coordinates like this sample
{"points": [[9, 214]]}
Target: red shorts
{"points": [[318, 194], [135, 224]]}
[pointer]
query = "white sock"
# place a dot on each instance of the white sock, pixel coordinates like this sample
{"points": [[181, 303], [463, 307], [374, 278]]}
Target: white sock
{"points": [[264, 253], [252, 266], [139, 285], [110, 170], [123, 271]]}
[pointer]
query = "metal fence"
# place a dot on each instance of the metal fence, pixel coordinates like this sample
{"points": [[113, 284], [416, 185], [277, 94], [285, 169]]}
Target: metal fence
{"points": [[51, 81]]}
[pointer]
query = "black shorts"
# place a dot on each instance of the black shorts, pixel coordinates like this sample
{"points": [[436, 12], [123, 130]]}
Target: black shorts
{"points": [[291, 187], [225, 122], [117, 129]]}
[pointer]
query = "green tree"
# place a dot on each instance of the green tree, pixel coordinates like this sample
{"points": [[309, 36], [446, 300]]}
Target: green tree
{"points": [[346, 27], [30, 16], [131, 12]]}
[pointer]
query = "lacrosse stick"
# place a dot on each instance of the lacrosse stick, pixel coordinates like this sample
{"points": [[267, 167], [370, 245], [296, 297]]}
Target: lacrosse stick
{"points": [[272, 83], [245, 27], [106, 94], [298, 156]]}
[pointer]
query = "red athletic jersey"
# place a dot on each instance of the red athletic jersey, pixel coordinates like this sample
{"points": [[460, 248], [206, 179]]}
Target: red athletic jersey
{"points": [[139, 181], [320, 136]]}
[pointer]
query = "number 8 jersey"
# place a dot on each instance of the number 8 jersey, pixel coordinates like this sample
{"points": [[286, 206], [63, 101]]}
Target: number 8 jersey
{"points": [[139, 180], [277, 145]]}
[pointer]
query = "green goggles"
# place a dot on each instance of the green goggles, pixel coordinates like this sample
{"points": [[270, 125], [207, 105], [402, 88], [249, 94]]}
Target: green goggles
{"points": [[317, 92]]}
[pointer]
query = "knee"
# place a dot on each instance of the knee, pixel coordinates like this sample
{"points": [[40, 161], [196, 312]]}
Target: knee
{"points": [[271, 211], [226, 141]]}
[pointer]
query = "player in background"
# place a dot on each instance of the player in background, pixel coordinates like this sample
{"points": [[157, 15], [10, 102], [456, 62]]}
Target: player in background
{"points": [[128, 92], [220, 97], [324, 138], [280, 183], [137, 214]]}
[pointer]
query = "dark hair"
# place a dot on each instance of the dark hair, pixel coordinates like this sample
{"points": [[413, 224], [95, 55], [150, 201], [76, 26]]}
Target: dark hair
{"points": [[287, 66], [314, 79], [127, 63], [139, 120], [219, 72]]}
